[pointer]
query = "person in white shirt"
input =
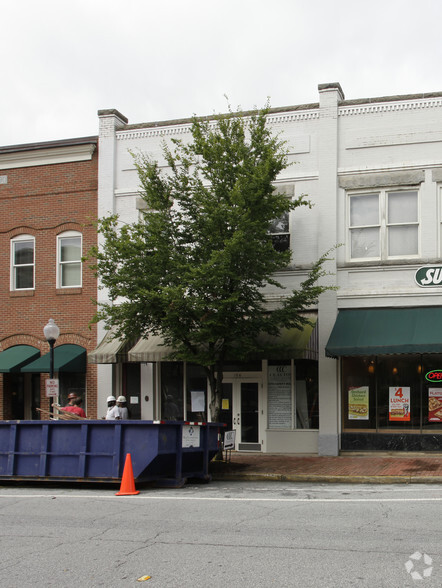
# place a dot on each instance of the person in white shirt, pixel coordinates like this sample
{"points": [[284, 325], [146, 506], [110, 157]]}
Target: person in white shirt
{"points": [[113, 412], [122, 405]]}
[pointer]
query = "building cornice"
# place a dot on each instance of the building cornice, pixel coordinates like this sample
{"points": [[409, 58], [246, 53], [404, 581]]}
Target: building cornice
{"points": [[393, 104], [45, 154]]}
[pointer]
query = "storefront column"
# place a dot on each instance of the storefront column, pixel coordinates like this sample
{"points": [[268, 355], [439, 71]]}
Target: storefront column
{"points": [[329, 97]]}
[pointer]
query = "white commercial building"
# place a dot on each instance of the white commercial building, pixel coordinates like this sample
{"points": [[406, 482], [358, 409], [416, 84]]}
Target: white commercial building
{"points": [[366, 377]]}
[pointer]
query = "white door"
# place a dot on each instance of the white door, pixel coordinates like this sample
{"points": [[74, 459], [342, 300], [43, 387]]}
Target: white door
{"points": [[240, 412]]}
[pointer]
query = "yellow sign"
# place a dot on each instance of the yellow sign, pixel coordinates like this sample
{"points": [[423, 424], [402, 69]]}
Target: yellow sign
{"points": [[225, 404]]}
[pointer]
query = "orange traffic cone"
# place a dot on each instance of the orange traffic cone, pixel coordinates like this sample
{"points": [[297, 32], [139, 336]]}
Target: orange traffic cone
{"points": [[127, 487]]}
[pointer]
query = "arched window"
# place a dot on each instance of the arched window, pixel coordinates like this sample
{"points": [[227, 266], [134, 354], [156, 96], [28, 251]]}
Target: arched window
{"points": [[69, 251], [23, 262]]}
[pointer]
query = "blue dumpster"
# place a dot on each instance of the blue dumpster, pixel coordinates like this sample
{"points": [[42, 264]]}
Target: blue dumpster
{"points": [[167, 452]]}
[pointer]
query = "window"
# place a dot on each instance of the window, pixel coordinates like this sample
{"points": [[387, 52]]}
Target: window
{"points": [[22, 262], [69, 260], [384, 225], [292, 389], [279, 230]]}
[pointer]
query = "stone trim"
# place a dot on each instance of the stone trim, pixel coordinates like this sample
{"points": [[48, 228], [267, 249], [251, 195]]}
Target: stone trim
{"points": [[384, 179]]}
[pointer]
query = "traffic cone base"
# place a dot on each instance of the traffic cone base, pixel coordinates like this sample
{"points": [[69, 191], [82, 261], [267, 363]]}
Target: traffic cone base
{"points": [[127, 487]]}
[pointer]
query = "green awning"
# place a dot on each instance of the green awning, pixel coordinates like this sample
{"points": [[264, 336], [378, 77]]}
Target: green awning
{"points": [[13, 358], [67, 358], [379, 331]]}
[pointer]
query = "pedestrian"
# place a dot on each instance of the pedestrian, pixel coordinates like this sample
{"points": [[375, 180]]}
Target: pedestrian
{"points": [[113, 412], [122, 405], [171, 411], [70, 406], [79, 409]]}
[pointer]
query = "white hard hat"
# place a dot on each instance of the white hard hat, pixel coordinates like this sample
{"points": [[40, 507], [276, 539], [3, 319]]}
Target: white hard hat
{"points": [[121, 399], [110, 399]]}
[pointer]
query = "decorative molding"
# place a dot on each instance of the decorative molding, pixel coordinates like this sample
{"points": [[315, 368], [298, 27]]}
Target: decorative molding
{"points": [[153, 132], [293, 117], [52, 156], [184, 129], [389, 107]]}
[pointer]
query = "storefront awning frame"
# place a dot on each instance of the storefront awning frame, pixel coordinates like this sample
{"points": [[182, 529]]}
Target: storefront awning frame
{"points": [[381, 331], [111, 349], [67, 358], [14, 358]]}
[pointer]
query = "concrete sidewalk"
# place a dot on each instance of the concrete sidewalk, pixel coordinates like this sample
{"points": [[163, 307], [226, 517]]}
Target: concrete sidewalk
{"points": [[350, 468]]}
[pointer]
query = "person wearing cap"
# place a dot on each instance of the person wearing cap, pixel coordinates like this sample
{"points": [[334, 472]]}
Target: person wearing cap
{"points": [[122, 405], [113, 412], [73, 406]]}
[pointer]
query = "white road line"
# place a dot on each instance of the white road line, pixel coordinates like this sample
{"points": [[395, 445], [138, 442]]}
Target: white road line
{"points": [[219, 499]]}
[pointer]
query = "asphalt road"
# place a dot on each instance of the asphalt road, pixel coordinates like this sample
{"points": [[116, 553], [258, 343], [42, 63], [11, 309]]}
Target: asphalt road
{"points": [[229, 534]]}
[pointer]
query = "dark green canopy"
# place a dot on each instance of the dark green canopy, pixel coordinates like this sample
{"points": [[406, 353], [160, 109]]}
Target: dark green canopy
{"points": [[13, 358], [378, 331], [67, 358]]}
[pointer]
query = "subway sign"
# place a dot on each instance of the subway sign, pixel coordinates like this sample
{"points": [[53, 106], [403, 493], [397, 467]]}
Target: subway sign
{"points": [[429, 276], [434, 376]]}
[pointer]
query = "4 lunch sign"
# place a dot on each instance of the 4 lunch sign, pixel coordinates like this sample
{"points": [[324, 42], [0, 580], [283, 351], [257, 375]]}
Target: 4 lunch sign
{"points": [[399, 403]]}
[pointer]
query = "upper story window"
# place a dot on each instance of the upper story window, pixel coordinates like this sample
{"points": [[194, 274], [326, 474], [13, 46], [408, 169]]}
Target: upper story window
{"points": [[22, 262], [280, 232], [69, 247], [384, 225]]}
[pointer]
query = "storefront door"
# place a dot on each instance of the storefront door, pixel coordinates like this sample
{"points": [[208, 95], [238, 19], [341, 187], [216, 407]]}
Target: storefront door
{"points": [[240, 412]]}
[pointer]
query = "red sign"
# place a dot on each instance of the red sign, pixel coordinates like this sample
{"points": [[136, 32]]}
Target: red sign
{"points": [[434, 376]]}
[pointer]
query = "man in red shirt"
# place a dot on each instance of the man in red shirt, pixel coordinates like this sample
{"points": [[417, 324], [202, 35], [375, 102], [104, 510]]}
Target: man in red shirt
{"points": [[73, 406]]}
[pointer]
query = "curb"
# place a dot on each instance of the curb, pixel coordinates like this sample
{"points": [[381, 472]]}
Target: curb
{"points": [[332, 479]]}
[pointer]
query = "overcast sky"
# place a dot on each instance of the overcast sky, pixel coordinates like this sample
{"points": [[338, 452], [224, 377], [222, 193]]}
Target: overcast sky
{"points": [[156, 60]]}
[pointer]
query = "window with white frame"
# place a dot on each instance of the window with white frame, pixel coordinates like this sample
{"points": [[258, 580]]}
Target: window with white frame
{"points": [[22, 262], [384, 224], [69, 247], [280, 232]]}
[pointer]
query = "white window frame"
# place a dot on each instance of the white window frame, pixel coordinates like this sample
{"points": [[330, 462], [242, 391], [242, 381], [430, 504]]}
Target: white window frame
{"points": [[60, 237], [13, 282], [274, 233], [383, 223]]}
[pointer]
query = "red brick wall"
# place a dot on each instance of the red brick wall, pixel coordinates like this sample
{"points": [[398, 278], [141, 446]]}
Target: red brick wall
{"points": [[45, 201]]}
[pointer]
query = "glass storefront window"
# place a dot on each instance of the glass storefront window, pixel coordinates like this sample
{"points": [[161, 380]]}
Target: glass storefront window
{"points": [[293, 395], [399, 394], [172, 391], [196, 393], [392, 393], [432, 392]]}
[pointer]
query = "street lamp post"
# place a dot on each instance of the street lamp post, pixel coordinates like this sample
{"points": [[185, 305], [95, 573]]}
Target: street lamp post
{"points": [[51, 332]]}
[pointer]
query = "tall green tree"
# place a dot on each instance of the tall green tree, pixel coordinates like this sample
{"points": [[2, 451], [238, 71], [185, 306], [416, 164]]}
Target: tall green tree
{"points": [[194, 268]]}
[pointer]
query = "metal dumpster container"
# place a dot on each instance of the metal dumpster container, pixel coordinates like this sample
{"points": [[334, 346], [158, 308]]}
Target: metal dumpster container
{"points": [[167, 452]]}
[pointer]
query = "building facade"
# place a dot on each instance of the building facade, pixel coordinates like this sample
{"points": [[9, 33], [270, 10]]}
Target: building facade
{"points": [[366, 375], [48, 200]]}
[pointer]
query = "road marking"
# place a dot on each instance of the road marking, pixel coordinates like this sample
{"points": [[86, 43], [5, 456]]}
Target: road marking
{"points": [[218, 499]]}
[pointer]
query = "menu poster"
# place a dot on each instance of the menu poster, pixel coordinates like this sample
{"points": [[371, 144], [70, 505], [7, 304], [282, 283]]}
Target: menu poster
{"points": [[435, 405], [399, 403], [358, 403]]}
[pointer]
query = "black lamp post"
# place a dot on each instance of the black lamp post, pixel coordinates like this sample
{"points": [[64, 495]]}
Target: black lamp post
{"points": [[51, 332]]}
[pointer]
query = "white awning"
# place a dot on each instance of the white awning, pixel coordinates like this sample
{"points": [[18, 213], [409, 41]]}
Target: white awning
{"points": [[110, 350], [148, 350]]}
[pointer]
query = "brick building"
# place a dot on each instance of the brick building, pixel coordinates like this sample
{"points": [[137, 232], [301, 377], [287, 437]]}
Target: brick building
{"points": [[48, 199]]}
